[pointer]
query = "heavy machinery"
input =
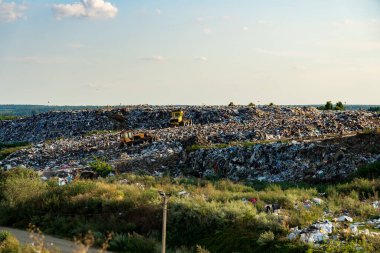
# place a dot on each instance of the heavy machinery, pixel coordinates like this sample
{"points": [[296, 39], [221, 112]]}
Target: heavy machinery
{"points": [[178, 119], [129, 138]]}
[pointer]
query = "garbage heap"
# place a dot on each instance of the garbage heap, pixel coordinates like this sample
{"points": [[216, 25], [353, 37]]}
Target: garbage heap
{"points": [[322, 160], [220, 123], [290, 161], [265, 143]]}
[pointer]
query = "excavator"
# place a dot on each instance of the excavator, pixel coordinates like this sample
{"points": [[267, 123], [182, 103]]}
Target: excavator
{"points": [[178, 119], [128, 138]]}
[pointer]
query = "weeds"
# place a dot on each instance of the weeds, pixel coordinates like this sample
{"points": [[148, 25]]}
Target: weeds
{"points": [[214, 214]]}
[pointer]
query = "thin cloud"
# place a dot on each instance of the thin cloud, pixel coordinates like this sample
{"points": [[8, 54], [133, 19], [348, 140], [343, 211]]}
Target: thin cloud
{"points": [[353, 23], [37, 59], [202, 59], [93, 9], [352, 45], [155, 58], [207, 30], [11, 11], [286, 53], [158, 11]]}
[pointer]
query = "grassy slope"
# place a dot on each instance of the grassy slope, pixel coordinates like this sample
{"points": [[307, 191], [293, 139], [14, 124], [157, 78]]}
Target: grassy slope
{"points": [[213, 215]]}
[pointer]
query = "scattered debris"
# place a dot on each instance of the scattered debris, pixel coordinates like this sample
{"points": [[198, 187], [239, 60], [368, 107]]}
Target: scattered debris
{"points": [[254, 143], [344, 218]]}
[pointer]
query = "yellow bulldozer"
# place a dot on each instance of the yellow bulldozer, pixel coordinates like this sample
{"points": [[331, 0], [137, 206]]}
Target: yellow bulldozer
{"points": [[128, 138], [178, 119]]}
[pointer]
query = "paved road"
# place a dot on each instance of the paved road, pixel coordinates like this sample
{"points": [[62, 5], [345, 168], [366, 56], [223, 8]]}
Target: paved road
{"points": [[64, 246]]}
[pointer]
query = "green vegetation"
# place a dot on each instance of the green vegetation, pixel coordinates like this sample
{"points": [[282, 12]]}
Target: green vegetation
{"points": [[8, 117], [8, 243], [132, 243], [7, 149], [101, 167], [97, 132], [233, 144], [214, 215], [371, 171], [231, 104], [251, 104], [339, 106], [374, 109], [31, 110], [328, 105]]}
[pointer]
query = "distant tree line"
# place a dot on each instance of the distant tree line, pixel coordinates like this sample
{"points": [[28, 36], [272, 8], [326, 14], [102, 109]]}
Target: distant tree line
{"points": [[374, 109], [31, 110]]}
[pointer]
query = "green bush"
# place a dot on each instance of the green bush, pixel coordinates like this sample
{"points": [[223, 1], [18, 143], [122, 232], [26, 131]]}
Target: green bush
{"points": [[339, 106], [370, 171], [6, 151], [8, 243], [132, 243], [328, 105], [8, 117], [101, 167], [265, 238]]}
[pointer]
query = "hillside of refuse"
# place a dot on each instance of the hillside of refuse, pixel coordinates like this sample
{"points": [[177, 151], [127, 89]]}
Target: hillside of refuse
{"points": [[267, 143]]}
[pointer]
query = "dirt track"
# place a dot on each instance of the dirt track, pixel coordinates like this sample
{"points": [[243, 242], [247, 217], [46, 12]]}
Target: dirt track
{"points": [[64, 246]]}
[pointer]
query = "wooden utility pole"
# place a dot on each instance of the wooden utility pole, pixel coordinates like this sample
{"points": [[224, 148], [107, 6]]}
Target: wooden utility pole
{"points": [[165, 198]]}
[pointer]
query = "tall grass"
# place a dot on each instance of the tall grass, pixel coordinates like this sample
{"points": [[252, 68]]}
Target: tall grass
{"points": [[214, 214]]}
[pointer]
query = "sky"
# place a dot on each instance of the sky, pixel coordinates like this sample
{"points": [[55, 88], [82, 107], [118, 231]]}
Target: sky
{"points": [[204, 52]]}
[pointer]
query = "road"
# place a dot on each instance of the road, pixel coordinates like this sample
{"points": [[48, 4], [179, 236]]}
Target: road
{"points": [[65, 246]]}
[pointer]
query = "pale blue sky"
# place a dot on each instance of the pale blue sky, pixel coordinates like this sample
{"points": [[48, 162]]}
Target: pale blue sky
{"points": [[189, 51]]}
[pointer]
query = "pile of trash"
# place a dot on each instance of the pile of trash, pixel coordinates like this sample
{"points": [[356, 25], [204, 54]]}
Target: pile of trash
{"points": [[260, 143], [317, 232], [321, 231], [274, 162], [218, 123]]}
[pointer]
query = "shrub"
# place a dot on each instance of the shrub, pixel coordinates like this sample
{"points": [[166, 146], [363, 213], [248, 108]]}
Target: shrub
{"points": [[132, 243], [370, 171], [8, 117], [8, 243], [265, 238], [231, 104], [101, 167], [201, 250], [328, 105], [339, 106]]}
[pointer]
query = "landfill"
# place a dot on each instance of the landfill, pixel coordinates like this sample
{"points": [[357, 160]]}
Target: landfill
{"points": [[267, 143], [226, 123]]}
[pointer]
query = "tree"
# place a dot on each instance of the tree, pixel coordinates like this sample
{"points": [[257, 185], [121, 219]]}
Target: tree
{"points": [[251, 104], [271, 104], [328, 105], [231, 104], [339, 106]]}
